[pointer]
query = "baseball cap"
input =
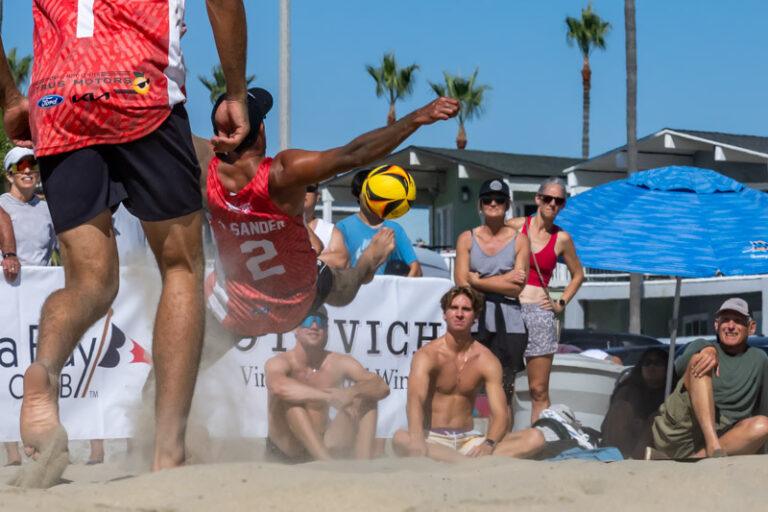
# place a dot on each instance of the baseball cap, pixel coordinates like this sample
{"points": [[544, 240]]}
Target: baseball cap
{"points": [[259, 103], [16, 155], [494, 186], [735, 304]]}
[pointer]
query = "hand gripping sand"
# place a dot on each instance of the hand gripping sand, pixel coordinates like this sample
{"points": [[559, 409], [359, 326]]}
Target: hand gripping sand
{"points": [[46, 471]]}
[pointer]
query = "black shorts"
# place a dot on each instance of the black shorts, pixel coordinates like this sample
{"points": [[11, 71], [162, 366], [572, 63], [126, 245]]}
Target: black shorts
{"points": [[324, 285], [157, 177]]}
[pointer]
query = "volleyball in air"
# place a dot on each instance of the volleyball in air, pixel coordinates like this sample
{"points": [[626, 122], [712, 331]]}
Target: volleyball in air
{"points": [[389, 191]]}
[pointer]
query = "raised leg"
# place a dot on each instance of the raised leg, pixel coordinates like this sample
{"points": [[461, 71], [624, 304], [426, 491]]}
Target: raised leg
{"points": [[178, 333], [347, 281], [703, 401], [538, 369], [301, 426]]}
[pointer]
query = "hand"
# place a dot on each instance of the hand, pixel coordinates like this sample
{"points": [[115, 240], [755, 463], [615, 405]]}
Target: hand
{"points": [[418, 447], [440, 109], [11, 267], [481, 450], [342, 399], [16, 121], [232, 123], [547, 305], [472, 278], [517, 276], [705, 361]]}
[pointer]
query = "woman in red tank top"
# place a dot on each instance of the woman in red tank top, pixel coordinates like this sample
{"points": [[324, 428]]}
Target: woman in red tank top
{"points": [[548, 243]]}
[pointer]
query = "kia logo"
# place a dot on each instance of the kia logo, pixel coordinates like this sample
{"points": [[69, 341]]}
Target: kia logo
{"points": [[49, 101]]}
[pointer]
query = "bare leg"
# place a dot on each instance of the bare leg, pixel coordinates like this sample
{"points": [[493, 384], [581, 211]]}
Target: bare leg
{"points": [[539, 369], [301, 426], [366, 431], [347, 281], [703, 401], [97, 452], [346, 432], [89, 256], [746, 437], [178, 333], [521, 444], [12, 454]]}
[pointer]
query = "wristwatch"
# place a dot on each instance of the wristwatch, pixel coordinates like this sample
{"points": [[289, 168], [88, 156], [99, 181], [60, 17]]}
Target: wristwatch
{"points": [[9, 255], [561, 302], [491, 443]]}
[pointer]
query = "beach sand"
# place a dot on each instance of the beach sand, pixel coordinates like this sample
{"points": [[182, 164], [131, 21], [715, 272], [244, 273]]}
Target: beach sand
{"points": [[487, 484]]}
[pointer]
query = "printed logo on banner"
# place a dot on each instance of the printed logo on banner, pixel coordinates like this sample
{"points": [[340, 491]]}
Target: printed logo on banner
{"points": [[76, 377]]}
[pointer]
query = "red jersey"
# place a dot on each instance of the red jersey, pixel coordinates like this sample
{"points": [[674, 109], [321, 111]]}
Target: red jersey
{"points": [[105, 71], [265, 277]]}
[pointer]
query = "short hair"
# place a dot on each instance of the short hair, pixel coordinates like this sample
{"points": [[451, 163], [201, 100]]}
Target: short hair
{"points": [[357, 182], [553, 181], [474, 296]]}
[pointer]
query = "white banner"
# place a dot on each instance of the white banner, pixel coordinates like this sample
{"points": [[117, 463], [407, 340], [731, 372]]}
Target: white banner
{"points": [[101, 384]]}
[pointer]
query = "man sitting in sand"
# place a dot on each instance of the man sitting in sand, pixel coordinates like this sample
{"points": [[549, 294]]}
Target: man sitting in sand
{"points": [[718, 408], [303, 383], [446, 375]]}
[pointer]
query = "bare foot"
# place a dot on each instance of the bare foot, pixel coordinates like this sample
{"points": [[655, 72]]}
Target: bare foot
{"points": [[381, 246], [45, 440]]}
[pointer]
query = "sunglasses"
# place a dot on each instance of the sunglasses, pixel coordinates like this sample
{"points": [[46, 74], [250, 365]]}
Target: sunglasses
{"points": [[654, 362], [321, 321], [486, 200], [311, 188], [25, 166], [559, 201]]}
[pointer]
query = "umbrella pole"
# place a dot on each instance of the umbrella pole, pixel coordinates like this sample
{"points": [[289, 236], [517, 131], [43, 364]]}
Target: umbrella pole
{"points": [[673, 337]]}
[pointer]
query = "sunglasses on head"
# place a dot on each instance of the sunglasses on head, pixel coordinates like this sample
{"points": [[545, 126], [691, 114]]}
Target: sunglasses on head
{"points": [[559, 201], [25, 166], [321, 321], [486, 200]]}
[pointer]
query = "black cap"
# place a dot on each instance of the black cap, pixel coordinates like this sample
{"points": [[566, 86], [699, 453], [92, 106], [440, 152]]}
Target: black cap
{"points": [[259, 103], [494, 186]]}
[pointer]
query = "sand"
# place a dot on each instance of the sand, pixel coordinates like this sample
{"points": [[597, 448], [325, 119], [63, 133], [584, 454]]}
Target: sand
{"points": [[488, 484]]}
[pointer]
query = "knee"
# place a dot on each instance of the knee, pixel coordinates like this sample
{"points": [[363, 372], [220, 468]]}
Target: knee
{"points": [[758, 427], [535, 439], [400, 442], [539, 391]]}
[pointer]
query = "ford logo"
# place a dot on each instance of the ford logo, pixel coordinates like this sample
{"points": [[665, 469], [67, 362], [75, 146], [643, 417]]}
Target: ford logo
{"points": [[49, 101]]}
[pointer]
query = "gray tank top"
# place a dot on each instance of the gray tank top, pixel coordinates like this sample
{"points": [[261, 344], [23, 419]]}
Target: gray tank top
{"points": [[487, 266]]}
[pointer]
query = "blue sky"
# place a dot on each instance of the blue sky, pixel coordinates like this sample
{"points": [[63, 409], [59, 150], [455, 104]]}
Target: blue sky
{"points": [[701, 65]]}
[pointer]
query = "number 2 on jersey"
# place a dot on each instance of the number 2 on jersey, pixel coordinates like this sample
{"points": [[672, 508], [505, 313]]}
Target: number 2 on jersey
{"points": [[253, 264]]}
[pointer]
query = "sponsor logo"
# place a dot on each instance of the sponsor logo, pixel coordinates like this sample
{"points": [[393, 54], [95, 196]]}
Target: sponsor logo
{"points": [[89, 96], [757, 249], [140, 83], [50, 100]]}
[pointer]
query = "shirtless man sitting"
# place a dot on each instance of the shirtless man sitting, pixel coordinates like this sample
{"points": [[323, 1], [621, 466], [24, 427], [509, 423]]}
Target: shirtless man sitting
{"points": [[446, 375], [303, 383]]}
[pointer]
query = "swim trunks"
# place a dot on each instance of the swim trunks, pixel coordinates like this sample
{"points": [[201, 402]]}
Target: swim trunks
{"points": [[457, 439]]}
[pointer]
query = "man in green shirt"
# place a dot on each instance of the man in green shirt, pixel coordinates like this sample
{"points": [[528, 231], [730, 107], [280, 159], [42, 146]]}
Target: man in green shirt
{"points": [[720, 404]]}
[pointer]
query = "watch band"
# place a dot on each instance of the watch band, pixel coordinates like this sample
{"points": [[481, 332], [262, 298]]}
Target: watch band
{"points": [[561, 302], [490, 442], [9, 254]]}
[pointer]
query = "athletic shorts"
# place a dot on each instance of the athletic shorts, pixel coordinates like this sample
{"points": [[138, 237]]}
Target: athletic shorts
{"points": [[157, 177], [324, 285], [542, 330], [676, 431], [459, 440]]}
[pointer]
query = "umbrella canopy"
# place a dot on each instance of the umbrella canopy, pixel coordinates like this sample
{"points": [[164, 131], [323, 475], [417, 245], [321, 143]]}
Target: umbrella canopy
{"points": [[679, 221]]}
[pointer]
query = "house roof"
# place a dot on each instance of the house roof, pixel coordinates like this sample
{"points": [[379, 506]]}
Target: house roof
{"points": [[753, 142]]}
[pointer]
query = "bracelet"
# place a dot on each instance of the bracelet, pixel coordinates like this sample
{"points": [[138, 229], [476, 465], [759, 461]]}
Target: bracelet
{"points": [[9, 254]]}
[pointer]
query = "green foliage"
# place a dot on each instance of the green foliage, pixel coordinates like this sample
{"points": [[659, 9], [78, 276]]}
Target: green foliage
{"points": [[218, 84], [392, 81], [588, 32], [20, 68], [469, 95]]}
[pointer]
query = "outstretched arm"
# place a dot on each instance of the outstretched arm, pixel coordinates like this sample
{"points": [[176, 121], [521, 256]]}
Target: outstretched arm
{"points": [[293, 169], [15, 106], [230, 32]]}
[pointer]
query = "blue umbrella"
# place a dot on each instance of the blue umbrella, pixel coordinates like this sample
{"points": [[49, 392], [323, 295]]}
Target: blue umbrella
{"points": [[678, 221]]}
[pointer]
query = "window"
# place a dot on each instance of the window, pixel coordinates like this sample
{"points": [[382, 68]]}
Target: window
{"points": [[695, 325], [444, 226]]}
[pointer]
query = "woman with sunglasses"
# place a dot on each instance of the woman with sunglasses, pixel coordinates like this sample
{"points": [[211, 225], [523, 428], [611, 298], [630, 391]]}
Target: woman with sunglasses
{"points": [[493, 259], [634, 405], [549, 243]]}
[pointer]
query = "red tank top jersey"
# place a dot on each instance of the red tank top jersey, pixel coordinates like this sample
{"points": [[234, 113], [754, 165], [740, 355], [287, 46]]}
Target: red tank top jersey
{"points": [[105, 71], [546, 259], [265, 277]]}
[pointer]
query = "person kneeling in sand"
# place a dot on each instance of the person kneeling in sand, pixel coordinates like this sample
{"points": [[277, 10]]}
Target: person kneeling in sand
{"points": [[446, 375], [303, 383], [720, 404]]}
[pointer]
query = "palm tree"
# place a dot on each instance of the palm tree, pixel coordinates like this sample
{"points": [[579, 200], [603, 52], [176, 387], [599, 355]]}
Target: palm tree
{"points": [[19, 67], [588, 32], [469, 96], [393, 82], [218, 85]]}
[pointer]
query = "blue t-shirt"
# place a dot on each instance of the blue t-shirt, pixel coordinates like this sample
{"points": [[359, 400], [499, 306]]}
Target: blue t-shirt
{"points": [[357, 236]]}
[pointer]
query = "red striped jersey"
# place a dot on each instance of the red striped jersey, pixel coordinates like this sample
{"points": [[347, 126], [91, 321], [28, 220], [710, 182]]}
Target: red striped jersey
{"points": [[265, 278], [105, 71]]}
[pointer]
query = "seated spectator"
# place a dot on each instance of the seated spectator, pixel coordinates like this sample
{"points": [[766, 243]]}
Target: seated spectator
{"points": [[634, 404], [26, 230], [719, 406], [303, 383], [334, 252], [358, 230], [446, 376]]}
